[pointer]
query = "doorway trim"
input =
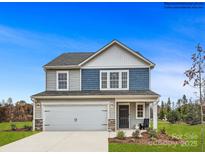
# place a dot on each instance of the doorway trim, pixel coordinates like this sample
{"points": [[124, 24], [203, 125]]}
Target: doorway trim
{"points": [[118, 118]]}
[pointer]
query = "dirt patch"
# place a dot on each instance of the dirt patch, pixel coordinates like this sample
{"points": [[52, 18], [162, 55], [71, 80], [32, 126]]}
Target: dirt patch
{"points": [[161, 139]]}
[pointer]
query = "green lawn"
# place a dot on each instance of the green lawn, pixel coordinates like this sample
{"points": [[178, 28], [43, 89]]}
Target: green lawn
{"points": [[8, 137], [7, 125], [192, 134]]}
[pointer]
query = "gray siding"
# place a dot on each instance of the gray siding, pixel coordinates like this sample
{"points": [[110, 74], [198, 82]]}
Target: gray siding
{"points": [[133, 120], [90, 79], [112, 109], [50, 80], [138, 79], [74, 80], [38, 112]]}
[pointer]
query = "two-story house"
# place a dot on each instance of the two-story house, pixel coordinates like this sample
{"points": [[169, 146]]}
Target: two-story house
{"points": [[104, 90]]}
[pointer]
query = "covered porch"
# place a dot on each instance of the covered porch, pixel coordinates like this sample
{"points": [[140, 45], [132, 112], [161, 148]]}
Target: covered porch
{"points": [[131, 114]]}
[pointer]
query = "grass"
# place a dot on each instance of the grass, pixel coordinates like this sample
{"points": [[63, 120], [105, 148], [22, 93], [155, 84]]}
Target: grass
{"points": [[192, 134], [7, 125], [8, 137]]}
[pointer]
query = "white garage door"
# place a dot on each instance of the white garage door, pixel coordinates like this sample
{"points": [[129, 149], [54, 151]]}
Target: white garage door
{"points": [[75, 117]]}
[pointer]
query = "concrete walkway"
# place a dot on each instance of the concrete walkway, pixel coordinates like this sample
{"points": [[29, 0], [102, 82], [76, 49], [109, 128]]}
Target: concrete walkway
{"points": [[87, 141]]}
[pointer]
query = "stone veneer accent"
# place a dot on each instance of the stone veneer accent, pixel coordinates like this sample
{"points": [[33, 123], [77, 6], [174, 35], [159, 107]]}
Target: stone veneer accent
{"points": [[39, 124], [111, 124]]}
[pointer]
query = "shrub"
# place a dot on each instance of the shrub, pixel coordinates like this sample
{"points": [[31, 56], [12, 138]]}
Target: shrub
{"points": [[173, 116], [163, 130], [26, 127], [193, 116], [13, 127], [152, 133], [136, 133], [120, 134]]}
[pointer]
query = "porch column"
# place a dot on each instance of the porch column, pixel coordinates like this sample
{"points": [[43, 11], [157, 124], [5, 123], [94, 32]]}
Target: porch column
{"points": [[155, 119]]}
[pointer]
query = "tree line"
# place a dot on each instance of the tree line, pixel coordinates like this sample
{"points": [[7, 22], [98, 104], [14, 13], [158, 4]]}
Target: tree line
{"points": [[19, 111], [184, 110]]}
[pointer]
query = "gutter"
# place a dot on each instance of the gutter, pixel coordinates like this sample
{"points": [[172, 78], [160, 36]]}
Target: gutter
{"points": [[99, 96]]}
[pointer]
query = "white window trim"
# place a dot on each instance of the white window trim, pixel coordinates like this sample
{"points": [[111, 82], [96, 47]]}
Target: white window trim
{"points": [[57, 72], [137, 110], [120, 79]]}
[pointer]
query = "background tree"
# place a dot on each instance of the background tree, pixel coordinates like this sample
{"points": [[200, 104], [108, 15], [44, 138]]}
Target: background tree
{"points": [[3, 102], [195, 77], [20, 111], [162, 111], [193, 115], [173, 116], [168, 105], [178, 107], [184, 107], [10, 109]]}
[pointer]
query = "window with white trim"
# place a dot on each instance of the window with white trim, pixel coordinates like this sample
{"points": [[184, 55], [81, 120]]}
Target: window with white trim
{"points": [[62, 80], [124, 79], [104, 79], [114, 79], [140, 110]]}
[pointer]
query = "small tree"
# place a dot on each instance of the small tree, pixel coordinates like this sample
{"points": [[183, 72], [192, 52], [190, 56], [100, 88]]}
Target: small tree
{"points": [[195, 77]]}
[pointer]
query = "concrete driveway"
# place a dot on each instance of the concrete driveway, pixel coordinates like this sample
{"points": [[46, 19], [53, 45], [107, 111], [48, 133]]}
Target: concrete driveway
{"points": [[83, 141]]}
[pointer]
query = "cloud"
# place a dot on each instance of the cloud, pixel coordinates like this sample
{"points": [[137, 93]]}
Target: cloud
{"points": [[36, 40], [167, 80], [172, 58]]}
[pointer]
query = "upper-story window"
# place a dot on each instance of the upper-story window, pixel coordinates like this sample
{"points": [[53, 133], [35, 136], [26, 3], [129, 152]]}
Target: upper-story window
{"points": [[62, 80], [114, 79]]}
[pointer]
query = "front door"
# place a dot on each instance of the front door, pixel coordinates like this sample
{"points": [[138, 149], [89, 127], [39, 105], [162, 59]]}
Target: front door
{"points": [[123, 116]]}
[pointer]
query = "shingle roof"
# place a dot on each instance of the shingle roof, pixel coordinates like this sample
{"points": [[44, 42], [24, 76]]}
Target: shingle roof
{"points": [[92, 92], [69, 59], [75, 58]]}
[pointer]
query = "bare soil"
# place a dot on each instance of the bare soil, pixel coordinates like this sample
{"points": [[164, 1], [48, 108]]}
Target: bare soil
{"points": [[161, 139]]}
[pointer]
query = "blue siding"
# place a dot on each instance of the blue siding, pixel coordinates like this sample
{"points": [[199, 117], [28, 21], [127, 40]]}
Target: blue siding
{"points": [[90, 79], [138, 79]]}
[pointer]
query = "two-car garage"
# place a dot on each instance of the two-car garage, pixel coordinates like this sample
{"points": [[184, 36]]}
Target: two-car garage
{"points": [[75, 117]]}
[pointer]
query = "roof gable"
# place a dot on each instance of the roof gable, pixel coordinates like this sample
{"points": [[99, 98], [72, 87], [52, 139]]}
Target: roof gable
{"points": [[116, 54], [80, 59]]}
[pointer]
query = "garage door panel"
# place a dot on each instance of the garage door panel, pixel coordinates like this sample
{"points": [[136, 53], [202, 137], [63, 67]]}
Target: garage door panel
{"points": [[75, 117]]}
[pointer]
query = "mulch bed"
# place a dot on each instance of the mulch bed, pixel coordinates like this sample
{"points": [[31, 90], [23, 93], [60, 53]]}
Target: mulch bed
{"points": [[161, 139], [17, 130]]}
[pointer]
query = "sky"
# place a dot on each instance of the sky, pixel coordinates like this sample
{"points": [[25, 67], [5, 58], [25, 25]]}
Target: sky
{"points": [[32, 34]]}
